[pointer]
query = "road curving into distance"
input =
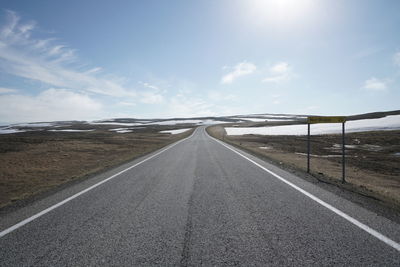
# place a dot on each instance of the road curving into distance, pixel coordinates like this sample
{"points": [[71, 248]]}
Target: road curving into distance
{"points": [[197, 202]]}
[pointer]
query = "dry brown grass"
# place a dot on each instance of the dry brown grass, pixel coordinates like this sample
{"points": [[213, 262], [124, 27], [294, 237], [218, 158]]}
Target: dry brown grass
{"points": [[35, 162], [372, 167]]}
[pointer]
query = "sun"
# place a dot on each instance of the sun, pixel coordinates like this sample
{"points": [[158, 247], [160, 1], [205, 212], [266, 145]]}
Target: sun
{"points": [[281, 12]]}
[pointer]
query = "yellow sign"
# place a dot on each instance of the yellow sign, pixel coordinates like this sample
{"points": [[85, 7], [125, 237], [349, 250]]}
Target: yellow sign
{"points": [[319, 119]]}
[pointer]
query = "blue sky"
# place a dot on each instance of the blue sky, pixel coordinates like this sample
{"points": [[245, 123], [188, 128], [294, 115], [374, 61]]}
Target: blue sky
{"points": [[85, 60]]}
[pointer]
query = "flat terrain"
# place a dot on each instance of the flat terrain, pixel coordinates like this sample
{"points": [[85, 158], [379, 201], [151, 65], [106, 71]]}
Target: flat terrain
{"points": [[373, 158], [34, 162], [199, 203]]}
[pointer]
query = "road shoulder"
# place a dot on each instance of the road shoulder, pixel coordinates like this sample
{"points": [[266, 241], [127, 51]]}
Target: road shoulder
{"points": [[360, 199]]}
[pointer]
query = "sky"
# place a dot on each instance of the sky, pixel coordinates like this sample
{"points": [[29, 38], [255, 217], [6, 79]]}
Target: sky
{"points": [[88, 60]]}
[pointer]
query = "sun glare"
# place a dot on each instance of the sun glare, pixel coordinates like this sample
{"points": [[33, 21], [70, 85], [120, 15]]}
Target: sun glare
{"points": [[281, 12]]}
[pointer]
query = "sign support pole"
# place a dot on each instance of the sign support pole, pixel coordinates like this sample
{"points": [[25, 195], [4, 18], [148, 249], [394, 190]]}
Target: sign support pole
{"points": [[322, 119], [343, 154], [308, 149]]}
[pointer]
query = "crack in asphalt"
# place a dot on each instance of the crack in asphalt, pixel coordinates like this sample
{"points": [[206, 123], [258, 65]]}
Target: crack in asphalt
{"points": [[188, 230]]}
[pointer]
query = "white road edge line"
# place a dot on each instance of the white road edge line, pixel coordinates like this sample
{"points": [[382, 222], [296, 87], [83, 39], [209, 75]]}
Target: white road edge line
{"points": [[43, 212], [357, 223]]}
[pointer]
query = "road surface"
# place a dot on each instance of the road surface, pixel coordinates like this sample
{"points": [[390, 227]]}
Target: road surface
{"points": [[197, 202]]}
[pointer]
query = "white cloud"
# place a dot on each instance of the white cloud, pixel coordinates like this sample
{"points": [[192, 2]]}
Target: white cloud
{"points": [[219, 96], [94, 70], [375, 84], [183, 106], [276, 99], [280, 68], [368, 51], [151, 98], [147, 85], [43, 60], [396, 59], [7, 90], [126, 104], [50, 105], [279, 72], [312, 107], [187, 106], [241, 69]]}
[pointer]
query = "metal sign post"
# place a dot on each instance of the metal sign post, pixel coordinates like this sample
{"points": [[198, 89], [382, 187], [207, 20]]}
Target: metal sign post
{"points": [[343, 154], [319, 119], [308, 150]]}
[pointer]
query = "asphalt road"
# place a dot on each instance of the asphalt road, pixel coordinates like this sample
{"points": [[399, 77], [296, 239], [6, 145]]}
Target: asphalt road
{"points": [[197, 203]]}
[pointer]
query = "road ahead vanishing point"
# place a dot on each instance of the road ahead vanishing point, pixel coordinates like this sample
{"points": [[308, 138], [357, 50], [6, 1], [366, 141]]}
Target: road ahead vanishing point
{"points": [[197, 202]]}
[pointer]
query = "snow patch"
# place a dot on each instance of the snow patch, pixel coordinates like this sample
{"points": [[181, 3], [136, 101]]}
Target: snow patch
{"points": [[197, 122], [121, 130], [266, 147], [210, 122], [367, 147], [177, 131], [72, 130], [174, 122], [280, 116], [165, 122], [33, 125], [115, 123], [10, 131], [381, 124], [266, 119], [321, 156]]}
